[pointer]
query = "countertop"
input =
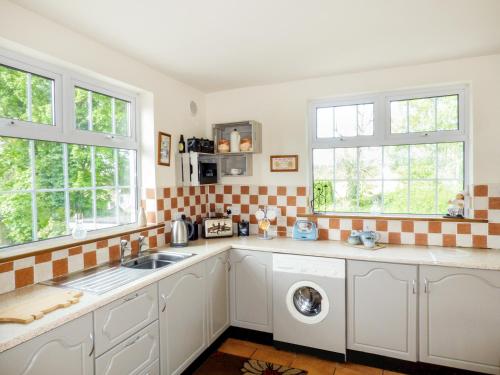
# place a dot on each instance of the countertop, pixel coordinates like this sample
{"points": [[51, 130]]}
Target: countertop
{"points": [[12, 334]]}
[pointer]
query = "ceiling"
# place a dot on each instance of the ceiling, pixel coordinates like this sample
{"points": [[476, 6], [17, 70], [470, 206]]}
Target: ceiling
{"points": [[222, 44]]}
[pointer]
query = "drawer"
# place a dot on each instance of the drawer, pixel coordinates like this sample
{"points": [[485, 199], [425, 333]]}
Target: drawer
{"points": [[133, 356], [122, 318], [154, 369]]}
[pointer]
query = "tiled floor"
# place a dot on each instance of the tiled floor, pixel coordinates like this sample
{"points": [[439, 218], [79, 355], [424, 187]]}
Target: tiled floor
{"points": [[313, 365]]}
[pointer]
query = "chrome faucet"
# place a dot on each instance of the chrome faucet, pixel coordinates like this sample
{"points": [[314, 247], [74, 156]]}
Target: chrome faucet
{"points": [[123, 249], [142, 242]]}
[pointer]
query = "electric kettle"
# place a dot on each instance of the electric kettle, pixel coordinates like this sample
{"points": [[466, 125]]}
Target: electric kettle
{"points": [[181, 232]]}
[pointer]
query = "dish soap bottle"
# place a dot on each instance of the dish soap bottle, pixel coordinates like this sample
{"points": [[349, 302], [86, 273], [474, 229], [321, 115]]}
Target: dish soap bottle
{"points": [[182, 145], [235, 141]]}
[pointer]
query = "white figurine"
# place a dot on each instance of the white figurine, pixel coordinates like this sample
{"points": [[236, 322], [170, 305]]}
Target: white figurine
{"points": [[457, 206]]}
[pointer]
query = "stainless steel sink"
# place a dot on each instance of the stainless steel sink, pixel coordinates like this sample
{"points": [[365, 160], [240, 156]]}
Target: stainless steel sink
{"points": [[157, 260]]}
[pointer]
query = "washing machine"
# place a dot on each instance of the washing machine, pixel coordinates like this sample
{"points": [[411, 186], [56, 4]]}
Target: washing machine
{"points": [[309, 302]]}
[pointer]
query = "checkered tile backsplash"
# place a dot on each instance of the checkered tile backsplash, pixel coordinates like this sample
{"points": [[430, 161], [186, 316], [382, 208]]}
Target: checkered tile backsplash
{"points": [[164, 203]]}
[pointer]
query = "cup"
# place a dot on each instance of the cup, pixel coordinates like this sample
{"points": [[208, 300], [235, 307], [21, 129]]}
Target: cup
{"points": [[354, 238]]}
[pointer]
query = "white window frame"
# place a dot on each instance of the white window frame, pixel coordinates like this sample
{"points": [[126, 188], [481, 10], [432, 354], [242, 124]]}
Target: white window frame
{"points": [[382, 135], [64, 128]]}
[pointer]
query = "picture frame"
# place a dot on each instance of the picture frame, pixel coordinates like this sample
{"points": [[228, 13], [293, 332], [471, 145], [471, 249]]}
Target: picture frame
{"points": [[284, 163], [164, 148]]}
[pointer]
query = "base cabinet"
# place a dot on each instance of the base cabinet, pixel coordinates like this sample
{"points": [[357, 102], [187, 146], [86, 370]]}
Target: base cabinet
{"points": [[217, 271], [251, 289], [460, 318], [182, 319], [68, 350], [382, 309]]}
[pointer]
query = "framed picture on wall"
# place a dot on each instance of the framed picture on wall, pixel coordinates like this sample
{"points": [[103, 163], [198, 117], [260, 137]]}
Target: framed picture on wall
{"points": [[284, 163], [164, 146]]}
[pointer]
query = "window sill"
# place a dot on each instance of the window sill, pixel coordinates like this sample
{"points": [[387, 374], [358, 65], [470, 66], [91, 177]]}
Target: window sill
{"points": [[19, 252], [392, 217]]}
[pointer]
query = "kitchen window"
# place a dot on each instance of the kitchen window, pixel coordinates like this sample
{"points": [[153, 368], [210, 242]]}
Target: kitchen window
{"points": [[54, 168], [391, 153]]}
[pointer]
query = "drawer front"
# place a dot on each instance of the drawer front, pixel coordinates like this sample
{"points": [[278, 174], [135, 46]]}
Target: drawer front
{"points": [[154, 369], [122, 318], [134, 356]]}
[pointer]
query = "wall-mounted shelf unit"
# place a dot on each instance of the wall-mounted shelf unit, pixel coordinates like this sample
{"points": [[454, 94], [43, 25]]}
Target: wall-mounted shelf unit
{"points": [[247, 129], [231, 161]]}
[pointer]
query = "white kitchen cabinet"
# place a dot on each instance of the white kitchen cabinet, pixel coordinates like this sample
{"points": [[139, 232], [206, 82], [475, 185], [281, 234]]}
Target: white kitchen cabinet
{"points": [[182, 319], [460, 318], [121, 318], [382, 309], [217, 269], [133, 356], [68, 350], [251, 289]]}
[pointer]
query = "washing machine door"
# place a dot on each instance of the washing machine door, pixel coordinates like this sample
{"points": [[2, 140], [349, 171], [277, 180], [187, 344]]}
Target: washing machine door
{"points": [[307, 302]]}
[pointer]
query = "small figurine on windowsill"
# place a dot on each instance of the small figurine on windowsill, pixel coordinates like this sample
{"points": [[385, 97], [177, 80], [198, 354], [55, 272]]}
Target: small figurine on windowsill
{"points": [[456, 207]]}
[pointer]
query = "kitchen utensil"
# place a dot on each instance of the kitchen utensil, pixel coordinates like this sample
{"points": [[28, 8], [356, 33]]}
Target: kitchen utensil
{"points": [[217, 227], [34, 301], [354, 238], [235, 141], [305, 230], [181, 232], [235, 171]]}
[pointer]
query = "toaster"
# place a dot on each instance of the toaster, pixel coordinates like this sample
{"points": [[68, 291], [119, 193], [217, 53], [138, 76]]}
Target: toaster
{"points": [[305, 230]]}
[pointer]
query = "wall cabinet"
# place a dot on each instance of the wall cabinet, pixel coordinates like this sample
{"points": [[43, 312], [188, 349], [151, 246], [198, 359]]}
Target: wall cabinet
{"points": [[251, 289], [217, 271], [382, 309], [182, 319], [66, 350], [133, 356], [121, 318], [460, 318]]}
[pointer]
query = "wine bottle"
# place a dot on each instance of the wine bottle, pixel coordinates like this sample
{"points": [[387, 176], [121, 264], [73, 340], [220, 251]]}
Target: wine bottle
{"points": [[182, 145]]}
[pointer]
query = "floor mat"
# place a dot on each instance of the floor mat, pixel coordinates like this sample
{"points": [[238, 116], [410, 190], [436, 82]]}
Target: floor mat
{"points": [[226, 364]]}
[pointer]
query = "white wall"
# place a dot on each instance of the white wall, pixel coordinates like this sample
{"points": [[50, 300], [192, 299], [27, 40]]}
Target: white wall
{"points": [[282, 109], [165, 101]]}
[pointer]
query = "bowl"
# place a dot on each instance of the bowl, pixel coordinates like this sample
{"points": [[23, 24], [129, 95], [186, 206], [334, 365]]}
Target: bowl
{"points": [[235, 171]]}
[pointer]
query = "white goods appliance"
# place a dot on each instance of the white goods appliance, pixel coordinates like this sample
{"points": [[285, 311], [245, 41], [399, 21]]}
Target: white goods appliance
{"points": [[309, 302]]}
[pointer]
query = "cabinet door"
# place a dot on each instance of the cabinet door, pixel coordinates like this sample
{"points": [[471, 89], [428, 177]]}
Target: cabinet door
{"points": [[251, 289], [460, 318], [182, 318], [133, 356], [218, 295], [66, 350], [382, 309], [121, 318]]}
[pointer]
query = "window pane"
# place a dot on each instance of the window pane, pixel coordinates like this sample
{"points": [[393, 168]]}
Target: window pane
{"points": [[50, 214], [104, 166], [447, 112], [49, 165], [399, 116], [79, 166], [122, 117], [16, 225], [102, 120], [451, 160], [365, 119], [345, 196], [80, 202], [126, 204], [396, 162], [422, 114], [346, 121], [324, 122], [370, 163], [323, 179], [395, 197], [82, 108], [105, 208], [423, 197], [447, 190], [370, 196], [15, 170], [125, 166], [41, 100], [346, 163], [423, 161], [13, 94]]}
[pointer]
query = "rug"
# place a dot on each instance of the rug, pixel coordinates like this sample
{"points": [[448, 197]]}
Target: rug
{"points": [[226, 364]]}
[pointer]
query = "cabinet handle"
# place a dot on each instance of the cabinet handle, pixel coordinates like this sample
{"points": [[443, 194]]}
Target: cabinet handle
{"points": [[132, 342], [130, 298], [165, 302], [91, 336], [426, 286], [228, 266], [414, 287]]}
